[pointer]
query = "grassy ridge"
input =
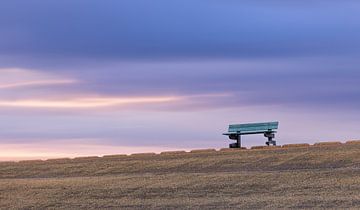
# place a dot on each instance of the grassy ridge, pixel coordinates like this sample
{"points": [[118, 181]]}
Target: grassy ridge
{"points": [[324, 175]]}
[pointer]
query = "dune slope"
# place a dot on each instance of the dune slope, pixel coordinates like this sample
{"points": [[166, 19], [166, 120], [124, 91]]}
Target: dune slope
{"points": [[295, 176]]}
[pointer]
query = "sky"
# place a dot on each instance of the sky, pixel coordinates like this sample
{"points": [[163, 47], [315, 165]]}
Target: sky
{"points": [[91, 77]]}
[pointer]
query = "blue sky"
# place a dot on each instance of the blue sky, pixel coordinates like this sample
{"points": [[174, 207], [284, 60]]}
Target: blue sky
{"points": [[133, 76]]}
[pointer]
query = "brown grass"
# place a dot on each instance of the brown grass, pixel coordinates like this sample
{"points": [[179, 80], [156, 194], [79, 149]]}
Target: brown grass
{"points": [[87, 158], [202, 150], [115, 156], [31, 161], [266, 147], [259, 147], [59, 160], [173, 153], [143, 154], [295, 145], [231, 149], [353, 142], [329, 143], [303, 177]]}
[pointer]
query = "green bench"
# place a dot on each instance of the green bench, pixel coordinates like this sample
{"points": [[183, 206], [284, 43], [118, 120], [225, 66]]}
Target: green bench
{"points": [[237, 130]]}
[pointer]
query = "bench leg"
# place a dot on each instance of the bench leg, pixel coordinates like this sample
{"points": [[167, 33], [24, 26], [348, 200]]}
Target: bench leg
{"points": [[270, 141], [238, 141], [237, 144], [270, 137]]}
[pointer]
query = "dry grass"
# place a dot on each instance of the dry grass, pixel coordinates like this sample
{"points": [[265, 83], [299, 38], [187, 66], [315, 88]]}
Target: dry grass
{"points": [[353, 142], [325, 176], [295, 145], [329, 143], [203, 151], [173, 152]]}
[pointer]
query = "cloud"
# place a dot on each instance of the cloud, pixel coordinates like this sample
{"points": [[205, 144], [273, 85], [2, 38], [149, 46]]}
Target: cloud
{"points": [[130, 29], [69, 149], [85, 102], [15, 78], [312, 82], [36, 83], [39, 93]]}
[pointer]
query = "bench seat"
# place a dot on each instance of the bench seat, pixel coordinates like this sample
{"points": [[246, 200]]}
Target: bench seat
{"points": [[248, 132]]}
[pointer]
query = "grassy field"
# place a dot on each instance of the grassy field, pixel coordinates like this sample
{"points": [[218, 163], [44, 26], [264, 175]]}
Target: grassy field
{"points": [[320, 176]]}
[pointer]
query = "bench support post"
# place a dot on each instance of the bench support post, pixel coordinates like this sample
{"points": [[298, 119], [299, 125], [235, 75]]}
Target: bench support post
{"points": [[236, 137], [238, 141], [270, 135]]}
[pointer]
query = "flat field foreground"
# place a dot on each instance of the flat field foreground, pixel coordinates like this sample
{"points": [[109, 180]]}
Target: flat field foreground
{"points": [[322, 176]]}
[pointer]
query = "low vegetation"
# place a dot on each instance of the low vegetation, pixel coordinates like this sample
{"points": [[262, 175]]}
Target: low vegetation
{"points": [[325, 175]]}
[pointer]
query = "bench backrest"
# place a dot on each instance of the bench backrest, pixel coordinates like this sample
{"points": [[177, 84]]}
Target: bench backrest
{"points": [[253, 127]]}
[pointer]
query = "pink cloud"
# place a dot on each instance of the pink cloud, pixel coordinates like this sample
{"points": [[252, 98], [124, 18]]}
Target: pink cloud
{"points": [[26, 151]]}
